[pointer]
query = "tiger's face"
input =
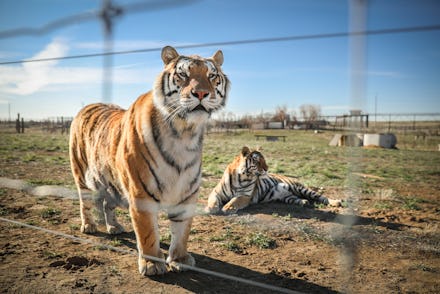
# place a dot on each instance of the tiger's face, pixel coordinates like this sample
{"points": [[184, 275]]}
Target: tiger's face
{"points": [[190, 87], [252, 163]]}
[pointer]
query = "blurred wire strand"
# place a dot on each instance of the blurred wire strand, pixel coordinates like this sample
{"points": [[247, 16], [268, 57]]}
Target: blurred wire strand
{"points": [[151, 5], [246, 41]]}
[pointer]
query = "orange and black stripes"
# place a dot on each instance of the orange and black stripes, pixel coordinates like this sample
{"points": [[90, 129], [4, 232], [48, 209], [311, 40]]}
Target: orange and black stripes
{"points": [[151, 153], [247, 177]]}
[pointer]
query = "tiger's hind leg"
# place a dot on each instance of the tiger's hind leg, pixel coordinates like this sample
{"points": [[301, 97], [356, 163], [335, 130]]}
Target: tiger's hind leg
{"points": [[99, 205], [284, 194], [296, 201], [86, 205], [320, 199], [312, 196], [109, 205]]}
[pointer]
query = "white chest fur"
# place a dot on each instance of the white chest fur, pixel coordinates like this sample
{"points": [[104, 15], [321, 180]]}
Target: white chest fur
{"points": [[177, 157]]}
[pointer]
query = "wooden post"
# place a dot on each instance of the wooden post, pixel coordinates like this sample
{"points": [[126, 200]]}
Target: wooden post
{"points": [[414, 123], [22, 125], [17, 123], [389, 123]]}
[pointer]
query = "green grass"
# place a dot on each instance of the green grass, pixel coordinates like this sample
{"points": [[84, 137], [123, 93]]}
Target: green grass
{"points": [[229, 240], [4, 211], [49, 213], [411, 203], [311, 233], [123, 214], [34, 146], [261, 241], [227, 235], [39, 182], [304, 155], [115, 242], [233, 246], [74, 228], [424, 268], [285, 217], [166, 238], [307, 156], [381, 205], [52, 254]]}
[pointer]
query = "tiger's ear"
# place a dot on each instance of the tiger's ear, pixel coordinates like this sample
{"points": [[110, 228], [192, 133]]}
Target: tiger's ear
{"points": [[245, 151], [218, 57], [168, 54], [263, 164]]}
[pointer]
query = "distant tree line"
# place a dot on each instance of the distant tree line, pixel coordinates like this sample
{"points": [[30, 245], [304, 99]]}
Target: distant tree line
{"points": [[308, 118]]}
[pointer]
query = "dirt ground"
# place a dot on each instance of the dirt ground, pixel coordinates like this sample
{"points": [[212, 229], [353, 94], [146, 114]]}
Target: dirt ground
{"points": [[312, 250]]}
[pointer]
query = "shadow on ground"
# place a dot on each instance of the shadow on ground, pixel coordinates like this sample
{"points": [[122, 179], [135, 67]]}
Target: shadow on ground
{"points": [[204, 283], [284, 210]]}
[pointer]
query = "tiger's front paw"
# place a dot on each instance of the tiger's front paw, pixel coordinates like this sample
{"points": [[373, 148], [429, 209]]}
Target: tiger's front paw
{"points": [[229, 208], [178, 265], [114, 230], [151, 268]]}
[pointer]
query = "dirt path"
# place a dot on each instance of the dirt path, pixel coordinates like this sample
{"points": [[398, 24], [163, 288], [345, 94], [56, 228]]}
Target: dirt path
{"points": [[301, 249]]}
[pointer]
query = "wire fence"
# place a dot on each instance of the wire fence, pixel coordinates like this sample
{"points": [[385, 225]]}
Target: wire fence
{"points": [[419, 124], [107, 14], [153, 258], [402, 123]]}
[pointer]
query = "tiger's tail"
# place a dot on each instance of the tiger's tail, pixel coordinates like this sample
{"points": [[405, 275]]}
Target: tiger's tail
{"points": [[306, 195]]}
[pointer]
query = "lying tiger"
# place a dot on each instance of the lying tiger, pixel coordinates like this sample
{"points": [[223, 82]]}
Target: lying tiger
{"points": [[246, 180]]}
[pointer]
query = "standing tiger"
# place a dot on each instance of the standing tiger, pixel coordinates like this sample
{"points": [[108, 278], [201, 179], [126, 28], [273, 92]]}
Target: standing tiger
{"points": [[246, 181], [149, 156]]}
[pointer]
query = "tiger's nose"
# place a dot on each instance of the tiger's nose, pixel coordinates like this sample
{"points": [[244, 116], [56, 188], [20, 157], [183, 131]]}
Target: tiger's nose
{"points": [[200, 94]]}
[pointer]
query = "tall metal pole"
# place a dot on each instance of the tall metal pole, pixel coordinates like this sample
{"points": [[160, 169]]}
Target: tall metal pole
{"points": [[108, 12], [357, 51], [375, 111]]}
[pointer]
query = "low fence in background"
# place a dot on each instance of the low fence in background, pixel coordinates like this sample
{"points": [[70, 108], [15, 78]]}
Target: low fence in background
{"points": [[51, 125], [411, 123], [424, 124]]}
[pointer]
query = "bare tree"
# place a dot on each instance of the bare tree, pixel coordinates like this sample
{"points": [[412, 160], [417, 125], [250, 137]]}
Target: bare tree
{"points": [[280, 113], [310, 113]]}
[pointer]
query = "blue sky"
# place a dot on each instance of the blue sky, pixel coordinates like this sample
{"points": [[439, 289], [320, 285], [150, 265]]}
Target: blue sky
{"points": [[402, 70]]}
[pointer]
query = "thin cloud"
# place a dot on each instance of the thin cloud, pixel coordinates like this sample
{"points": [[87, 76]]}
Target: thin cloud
{"points": [[30, 78]]}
